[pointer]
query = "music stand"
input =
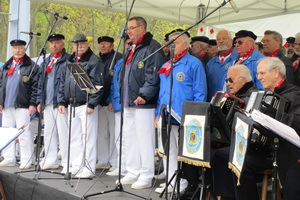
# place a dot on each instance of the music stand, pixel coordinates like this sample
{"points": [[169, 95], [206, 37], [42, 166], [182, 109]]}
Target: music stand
{"points": [[6, 139], [84, 82], [82, 79]]}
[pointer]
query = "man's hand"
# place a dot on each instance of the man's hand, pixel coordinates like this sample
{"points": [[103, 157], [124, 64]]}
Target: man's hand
{"points": [[31, 110], [61, 109], [39, 109], [156, 122], [139, 100], [110, 108], [1, 107], [89, 111]]}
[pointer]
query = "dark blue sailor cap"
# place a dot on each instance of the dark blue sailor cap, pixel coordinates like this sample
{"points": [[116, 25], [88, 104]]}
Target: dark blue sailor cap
{"points": [[17, 42], [105, 39], [56, 37]]}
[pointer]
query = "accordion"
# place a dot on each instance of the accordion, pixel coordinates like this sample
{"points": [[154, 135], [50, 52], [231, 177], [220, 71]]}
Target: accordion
{"points": [[223, 109], [227, 103], [271, 104]]}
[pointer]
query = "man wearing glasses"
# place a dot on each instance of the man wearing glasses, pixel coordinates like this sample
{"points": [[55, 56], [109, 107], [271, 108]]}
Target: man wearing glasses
{"points": [[247, 54], [140, 93], [272, 44]]}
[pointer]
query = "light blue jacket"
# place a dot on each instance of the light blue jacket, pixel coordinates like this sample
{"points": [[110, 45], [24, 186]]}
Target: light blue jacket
{"points": [[189, 84], [216, 73], [114, 96]]}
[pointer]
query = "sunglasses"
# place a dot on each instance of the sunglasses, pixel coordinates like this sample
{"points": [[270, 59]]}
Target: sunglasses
{"points": [[229, 80], [240, 42]]}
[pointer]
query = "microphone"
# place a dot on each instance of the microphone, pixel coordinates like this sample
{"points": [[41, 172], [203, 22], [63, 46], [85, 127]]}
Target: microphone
{"points": [[90, 39], [56, 14], [31, 33], [233, 5]]}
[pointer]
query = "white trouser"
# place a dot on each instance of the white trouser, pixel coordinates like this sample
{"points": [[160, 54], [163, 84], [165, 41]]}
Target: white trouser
{"points": [[55, 132], [117, 141], [18, 117], [106, 150], [81, 135], [139, 133], [173, 154]]}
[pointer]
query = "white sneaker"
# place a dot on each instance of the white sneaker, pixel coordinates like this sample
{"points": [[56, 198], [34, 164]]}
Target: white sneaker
{"points": [[25, 166], [160, 176], [49, 166], [140, 184], [126, 180], [103, 166], [161, 189], [5, 163], [162, 185], [115, 172], [85, 174]]}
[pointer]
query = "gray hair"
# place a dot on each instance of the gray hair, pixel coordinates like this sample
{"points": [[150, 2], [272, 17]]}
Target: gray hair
{"points": [[140, 21], [276, 36], [224, 30], [297, 36], [243, 71], [274, 63], [185, 38]]}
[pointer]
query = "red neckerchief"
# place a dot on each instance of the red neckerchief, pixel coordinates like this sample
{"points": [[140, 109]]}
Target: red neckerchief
{"points": [[77, 59], [222, 55], [274, 53], [296, 64], [13, 65], [202, 55], [52, 62], [129, 59], [245, 56], [166, 69], [280, 83]]}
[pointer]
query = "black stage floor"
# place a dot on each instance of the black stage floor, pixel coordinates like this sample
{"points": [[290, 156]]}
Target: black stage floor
{"points": [[49, 186]]}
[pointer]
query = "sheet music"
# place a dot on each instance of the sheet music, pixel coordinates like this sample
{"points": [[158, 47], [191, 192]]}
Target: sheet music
{"points": [[174, 115], [279, 128]]}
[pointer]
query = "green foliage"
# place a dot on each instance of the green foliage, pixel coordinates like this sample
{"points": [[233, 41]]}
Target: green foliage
{"points": [[91, 22]]}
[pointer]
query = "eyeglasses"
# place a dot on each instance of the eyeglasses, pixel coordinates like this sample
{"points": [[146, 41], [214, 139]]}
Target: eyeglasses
{"points": [[240, 42], [132, 27], [229, 80]]}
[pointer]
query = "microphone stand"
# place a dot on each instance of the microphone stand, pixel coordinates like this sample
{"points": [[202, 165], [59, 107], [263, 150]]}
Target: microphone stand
{"points": [[119, 187], [38, 169], [31, 36]]}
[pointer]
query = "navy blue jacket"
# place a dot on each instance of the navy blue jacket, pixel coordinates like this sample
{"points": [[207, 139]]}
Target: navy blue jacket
{"points": [[69, 89], [60, 66], [143, 80], [28, 84]]}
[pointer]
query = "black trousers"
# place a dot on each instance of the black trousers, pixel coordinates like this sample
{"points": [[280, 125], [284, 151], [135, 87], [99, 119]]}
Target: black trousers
{"points": [[291, 188], [225, 182]]}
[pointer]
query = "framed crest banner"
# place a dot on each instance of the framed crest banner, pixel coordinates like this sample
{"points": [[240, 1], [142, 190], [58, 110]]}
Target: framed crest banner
{"points": [[194, 140], [239, 143]]}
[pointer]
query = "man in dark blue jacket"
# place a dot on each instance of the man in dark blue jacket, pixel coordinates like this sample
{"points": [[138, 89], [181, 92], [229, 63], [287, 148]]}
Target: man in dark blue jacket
{"points": [[56, 125], [18, 91], [141, 86], [85, 108], [106, 153]]}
